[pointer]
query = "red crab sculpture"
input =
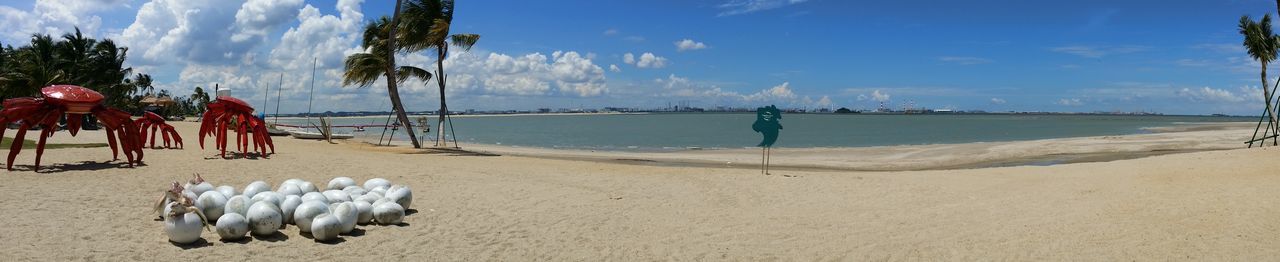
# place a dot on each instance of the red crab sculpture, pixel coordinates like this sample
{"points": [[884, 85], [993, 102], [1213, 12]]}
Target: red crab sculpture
{"points": [[220, 114], [156, 123], [74, 102]]}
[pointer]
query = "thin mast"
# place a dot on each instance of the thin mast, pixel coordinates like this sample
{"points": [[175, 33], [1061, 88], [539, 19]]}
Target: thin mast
{"points": [[278, 91], [313, 88], [266, 89]]}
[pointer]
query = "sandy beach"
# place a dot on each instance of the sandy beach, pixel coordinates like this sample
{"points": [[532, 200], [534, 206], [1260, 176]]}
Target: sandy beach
{"points": [[839, 204]]}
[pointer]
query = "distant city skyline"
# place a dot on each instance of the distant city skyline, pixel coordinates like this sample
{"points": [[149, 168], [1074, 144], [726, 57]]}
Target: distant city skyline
{"points": [[1172, 57]]}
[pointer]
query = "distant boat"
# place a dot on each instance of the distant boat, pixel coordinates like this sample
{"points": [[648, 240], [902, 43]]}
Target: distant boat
{"points": [[317, 135]]}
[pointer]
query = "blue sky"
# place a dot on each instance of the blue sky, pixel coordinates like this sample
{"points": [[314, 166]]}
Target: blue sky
{"points": [[1177, 57]]}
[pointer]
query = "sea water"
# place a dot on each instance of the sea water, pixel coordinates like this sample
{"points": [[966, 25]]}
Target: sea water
{"points": [[684, 131]]}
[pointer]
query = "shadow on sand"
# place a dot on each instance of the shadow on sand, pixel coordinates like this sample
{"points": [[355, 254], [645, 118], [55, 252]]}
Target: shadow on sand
{"points": [[198, 244], [80, 166]]}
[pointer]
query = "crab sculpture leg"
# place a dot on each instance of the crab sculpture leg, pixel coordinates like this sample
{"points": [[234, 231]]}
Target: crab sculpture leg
{"points": [[228, 113], [157, 124], [74, 102]]}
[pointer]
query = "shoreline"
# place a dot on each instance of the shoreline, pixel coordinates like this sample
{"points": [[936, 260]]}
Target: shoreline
{"points": [[1179, 139]]}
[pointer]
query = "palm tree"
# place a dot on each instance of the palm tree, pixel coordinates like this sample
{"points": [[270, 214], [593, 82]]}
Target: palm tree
{"points": [[75, 52], [363, 69], [34, 66], [111, 77], [1262, 44], [426, 26]]}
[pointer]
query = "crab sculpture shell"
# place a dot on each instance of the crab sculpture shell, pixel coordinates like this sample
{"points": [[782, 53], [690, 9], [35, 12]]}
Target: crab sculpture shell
{"points": [[229, 112], [74, 102], [156, 124]]}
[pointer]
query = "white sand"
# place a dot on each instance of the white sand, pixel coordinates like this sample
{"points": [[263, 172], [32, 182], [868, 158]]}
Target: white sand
{"points": [[1216, 205]]}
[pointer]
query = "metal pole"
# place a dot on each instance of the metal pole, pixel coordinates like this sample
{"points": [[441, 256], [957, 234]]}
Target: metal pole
{"points": [[313, 90], [279, 89], [266, 90]]}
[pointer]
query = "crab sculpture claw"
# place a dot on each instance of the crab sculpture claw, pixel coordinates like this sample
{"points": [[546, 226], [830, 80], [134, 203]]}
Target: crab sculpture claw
{"points": [[75, 102], [156, 124]]}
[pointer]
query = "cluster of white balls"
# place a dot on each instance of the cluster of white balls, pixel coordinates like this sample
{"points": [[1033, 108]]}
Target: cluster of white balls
{"points": [[336, 210]]}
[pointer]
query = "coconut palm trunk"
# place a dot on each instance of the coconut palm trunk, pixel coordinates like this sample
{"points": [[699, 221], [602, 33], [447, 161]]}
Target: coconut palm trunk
{"points": [[393, 91], [444, 107], [1266, 94]]}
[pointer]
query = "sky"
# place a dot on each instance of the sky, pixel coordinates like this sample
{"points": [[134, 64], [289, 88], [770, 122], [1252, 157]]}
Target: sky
{"points": [[1172, 57]]}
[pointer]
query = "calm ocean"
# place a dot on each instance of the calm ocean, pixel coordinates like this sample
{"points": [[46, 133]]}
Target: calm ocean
{"points": [[658, 132]]}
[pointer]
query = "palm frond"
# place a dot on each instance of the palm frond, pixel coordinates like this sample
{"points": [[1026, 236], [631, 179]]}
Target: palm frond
{"points": [[404, 72], [465, 41], [363, 69], [1259, 40]]}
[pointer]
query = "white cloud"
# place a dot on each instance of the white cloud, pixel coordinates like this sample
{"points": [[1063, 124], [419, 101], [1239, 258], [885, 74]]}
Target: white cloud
{"points": [[1208, 94], [259, 17], [688, 45], [186, 30], [824, 101], [737, 7], [629, 58], [776, 93], [614, 68], [875, 95], [329, 38], [684, 88], [1069, 102], [964, 60], [649, 60], [54, 17], [611, 31], [569, 73], [1098, 51], [997, 101]]}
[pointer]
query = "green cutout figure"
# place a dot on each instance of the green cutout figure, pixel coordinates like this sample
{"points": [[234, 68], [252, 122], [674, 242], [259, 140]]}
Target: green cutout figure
{"points": [[767, 124]]}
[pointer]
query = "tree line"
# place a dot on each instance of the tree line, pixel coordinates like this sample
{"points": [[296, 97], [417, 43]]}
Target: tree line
{"points": [[76, 59]]}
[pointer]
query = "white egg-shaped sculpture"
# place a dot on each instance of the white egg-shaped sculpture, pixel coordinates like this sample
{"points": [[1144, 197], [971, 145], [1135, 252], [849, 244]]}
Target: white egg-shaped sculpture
{"points": [[307, 187], [381, 190], [347, 215], [211, 203], [256, 187], [269, 196], [183, 229], [364, 212], [189, 194], [336, 196], [239, 205], [369, 198], [315, 196], [292, 181], [388, 213], [306, 212], [382, 200], [264, 218], [326, 227], [375, 183], [232, 226], [289, 205], [289, 190], [402, 195], [227, 191], [355, 191], [200, 188], [338, 183]]}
